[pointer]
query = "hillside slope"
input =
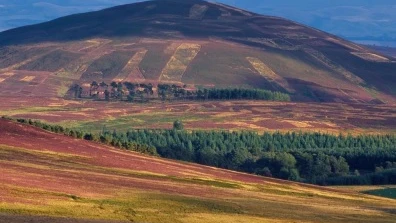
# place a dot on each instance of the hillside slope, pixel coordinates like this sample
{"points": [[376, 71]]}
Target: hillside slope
{"points": [[390, 51], [56, 176], [192, 42]]}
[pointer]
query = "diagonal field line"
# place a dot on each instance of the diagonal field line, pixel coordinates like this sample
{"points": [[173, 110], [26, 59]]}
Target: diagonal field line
{"points": [[178, 63]]}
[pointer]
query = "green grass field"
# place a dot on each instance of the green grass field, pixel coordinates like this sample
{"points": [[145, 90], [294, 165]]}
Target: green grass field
{"points": [[386, 192]]}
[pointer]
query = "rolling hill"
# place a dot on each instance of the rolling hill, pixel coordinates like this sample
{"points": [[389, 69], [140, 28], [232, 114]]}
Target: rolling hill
{"points": [[70, 180], [192, 42], [365, 22]]}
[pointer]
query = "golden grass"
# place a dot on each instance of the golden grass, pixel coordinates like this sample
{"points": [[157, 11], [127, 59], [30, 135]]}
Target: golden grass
{"points": [[177, 65], [268, 73], [230, 114], [371, 57], [95, 43], [349, 45], [41, 153], [329, 63], [230, 218], [131, 66], [141, 206], [245, 125], [262, 68], [4, 76], [152, 41], [28, 78], [63, 88], [124, 44], [298, 124], [75, 69], [8, 74], [62, 103], [171, 48], [330, 124]]}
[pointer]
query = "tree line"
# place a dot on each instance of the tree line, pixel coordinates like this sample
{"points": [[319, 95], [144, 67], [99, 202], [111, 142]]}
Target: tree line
{"points": [[169, 92], [318, 158], [105, 139], [307, 157], [133, 92]]}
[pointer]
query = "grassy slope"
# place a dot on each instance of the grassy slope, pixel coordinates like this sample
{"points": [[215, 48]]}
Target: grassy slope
{"points": [[154, 61], [53, 175], [224, 66], [108, 66], [51, 62]]}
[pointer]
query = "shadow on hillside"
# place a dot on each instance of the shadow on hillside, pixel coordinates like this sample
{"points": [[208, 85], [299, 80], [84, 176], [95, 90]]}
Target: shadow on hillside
{"points": [[309, 91], [151, 19]]}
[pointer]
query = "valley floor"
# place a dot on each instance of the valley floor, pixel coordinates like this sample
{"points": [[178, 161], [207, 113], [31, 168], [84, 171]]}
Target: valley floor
{"points": [[231, 115]]}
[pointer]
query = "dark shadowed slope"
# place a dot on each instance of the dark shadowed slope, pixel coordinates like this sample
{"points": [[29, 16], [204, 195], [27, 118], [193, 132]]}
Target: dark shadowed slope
{"points": [[193, 42]]}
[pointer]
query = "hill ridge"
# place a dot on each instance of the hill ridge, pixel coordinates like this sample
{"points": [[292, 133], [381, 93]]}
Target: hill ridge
{"points": [[318, 65]]}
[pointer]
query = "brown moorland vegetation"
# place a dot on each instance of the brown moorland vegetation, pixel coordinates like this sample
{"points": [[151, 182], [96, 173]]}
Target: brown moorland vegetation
{"points": [[234, 115]]}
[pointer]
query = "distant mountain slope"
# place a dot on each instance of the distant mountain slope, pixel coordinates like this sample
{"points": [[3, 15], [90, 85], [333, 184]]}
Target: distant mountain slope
{"points": [[390, 51], [54, 175], [192, 42]]}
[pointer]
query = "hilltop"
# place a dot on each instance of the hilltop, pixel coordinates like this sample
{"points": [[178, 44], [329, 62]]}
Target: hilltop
{"points": [[191, 42], [84, 180]]}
